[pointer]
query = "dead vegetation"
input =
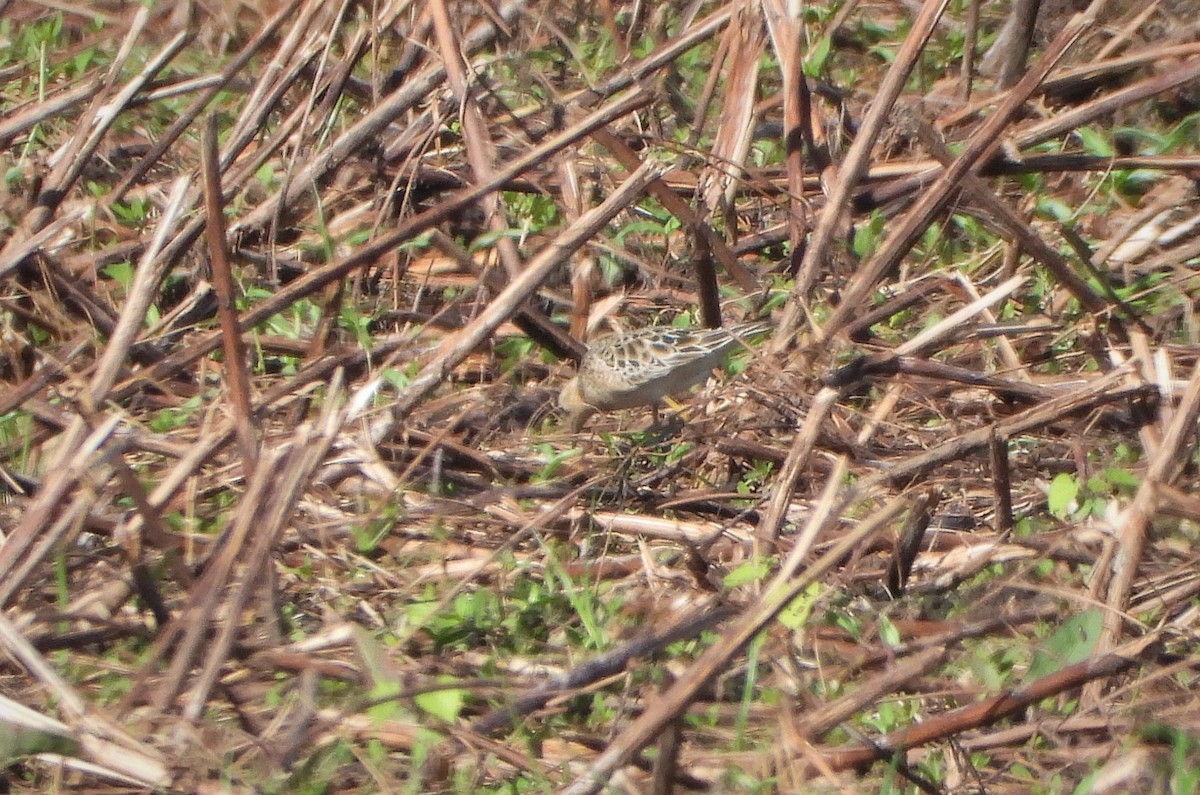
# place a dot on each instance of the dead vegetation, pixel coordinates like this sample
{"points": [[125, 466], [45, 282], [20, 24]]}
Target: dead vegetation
{"points": [[288, 293]]}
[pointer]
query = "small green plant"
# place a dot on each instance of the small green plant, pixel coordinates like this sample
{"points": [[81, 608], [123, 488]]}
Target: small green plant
{"points": [[357, 323], [133, 212], [367, 538], [1068, 498], [554, 461], [817, 58], [869, 235], [121, 273], [168, 419], [1074, 641], [514, 351], [756, 477]]}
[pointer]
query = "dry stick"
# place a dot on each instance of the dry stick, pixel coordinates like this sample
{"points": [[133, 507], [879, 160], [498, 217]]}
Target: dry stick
{"points": [[236, 363], [280, 76], [1008, 355], [611, 663], [367, 131], [707, 289], [981, 145], [52, 523], [132, 544], [1023, 234], [967, 78], [76, 295], [75, 157], [1176, 446], [783, 23], [533, 322], [169, 89], [1100, 67], [299, 51], [52, 107], [17, 250], [200, 103], [725, 167], [102, 741], [1170, 259], [853, 168], [405, 230], [136, 26], [205, 447], [1167, 197], [1102, 391], [192, 624], [94, 124], [630, 160], [987, 712], [330, 87], [305, 47], [715, 185], [1006, 57], [80, 151], [1001, 484], [1125, 36], [784, 484], [456, 348], [582, 267], [679, 208], [1106, 105], [1151, 433], [656, 60], [927, 339], [17, 560], [782, 589], [481, 151], [910, 540], [843, 14], [305, 452], [666, 754], [944, 327], [879, 656], [827, 717], [923, 175], [703, 102], [925, 368]]}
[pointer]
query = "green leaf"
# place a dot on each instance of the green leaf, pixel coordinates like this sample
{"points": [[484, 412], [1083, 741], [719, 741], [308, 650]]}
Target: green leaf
{"points": [[1122, 478], [796, 614], [120, 272], [751, 571], [1063, 491], [888, 632], [445, 705], [384, 682], [1072, 642], [814, 64], [1095, 142]]}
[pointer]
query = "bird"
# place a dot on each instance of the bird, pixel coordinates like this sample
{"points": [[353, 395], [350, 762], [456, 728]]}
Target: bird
{"points": [[641, 367]]}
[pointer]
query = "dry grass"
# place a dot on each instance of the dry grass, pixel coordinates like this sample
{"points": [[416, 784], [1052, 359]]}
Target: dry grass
{"points": [[288, 292]]}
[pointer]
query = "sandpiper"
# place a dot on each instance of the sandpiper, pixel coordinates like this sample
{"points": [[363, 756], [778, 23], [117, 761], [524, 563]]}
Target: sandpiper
{"points": [[640, 368]]}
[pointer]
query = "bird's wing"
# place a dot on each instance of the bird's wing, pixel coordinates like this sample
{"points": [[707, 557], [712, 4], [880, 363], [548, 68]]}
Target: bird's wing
{"points": [[645, 356], [659, 353]]}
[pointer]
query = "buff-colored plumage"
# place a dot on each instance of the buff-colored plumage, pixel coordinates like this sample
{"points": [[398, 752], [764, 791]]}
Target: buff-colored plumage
{"points": [[640, 368]]}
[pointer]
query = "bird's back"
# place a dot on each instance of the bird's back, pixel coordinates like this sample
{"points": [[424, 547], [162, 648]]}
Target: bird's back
{"points": [[640, 367]]}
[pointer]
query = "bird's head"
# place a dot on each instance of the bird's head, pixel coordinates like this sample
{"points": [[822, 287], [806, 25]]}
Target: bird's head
{"points": [[571, 401]]}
